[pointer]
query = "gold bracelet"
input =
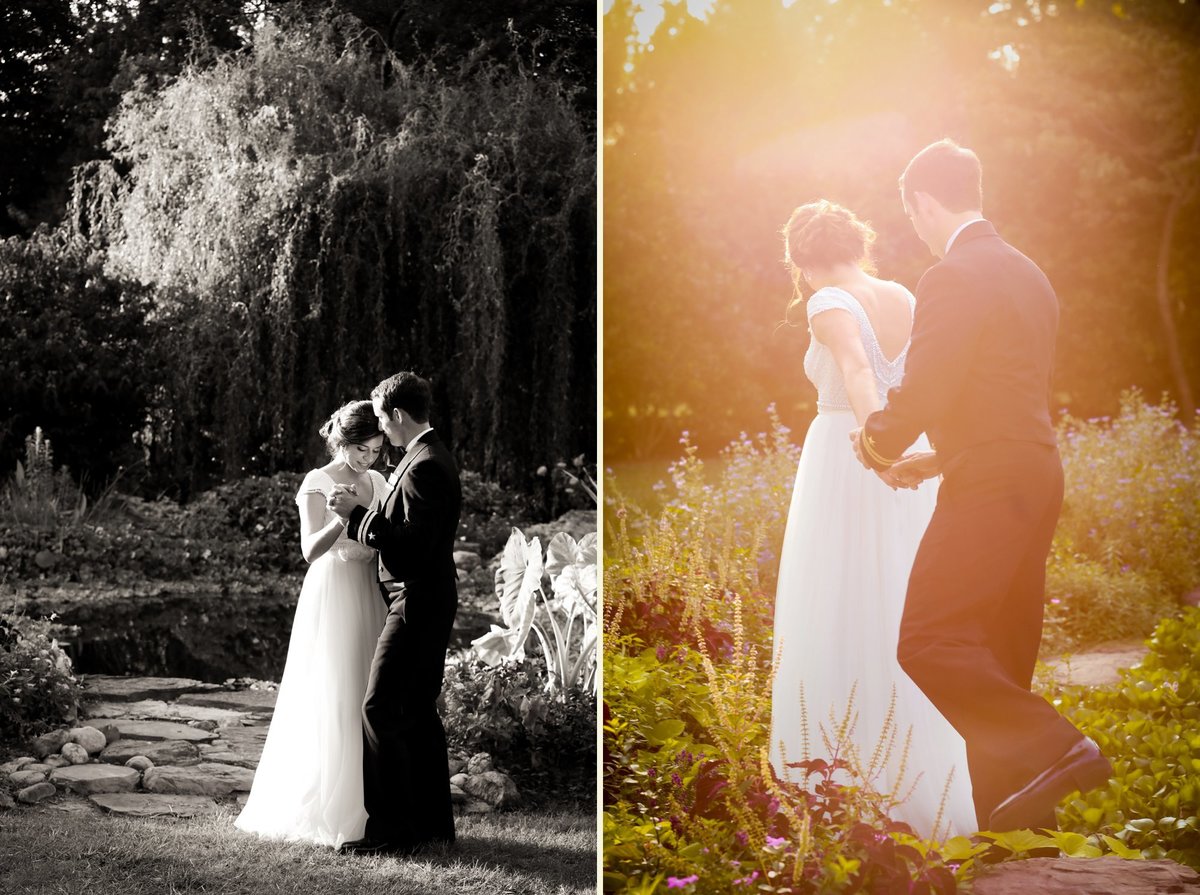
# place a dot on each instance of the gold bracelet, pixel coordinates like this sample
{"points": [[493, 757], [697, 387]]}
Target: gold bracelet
{"points": [[868, 444]]}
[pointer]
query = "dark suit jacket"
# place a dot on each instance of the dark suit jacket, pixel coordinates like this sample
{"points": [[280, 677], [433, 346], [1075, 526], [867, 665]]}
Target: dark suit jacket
{"points": [[416, 540], [982, 353]]}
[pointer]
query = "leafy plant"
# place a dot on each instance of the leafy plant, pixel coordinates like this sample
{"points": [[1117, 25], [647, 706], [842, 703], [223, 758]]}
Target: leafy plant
{"points": [[1147, 725], [568, 650], [38, 689]]}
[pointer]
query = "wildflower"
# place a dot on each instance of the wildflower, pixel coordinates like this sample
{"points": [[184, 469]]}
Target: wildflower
{"points": [[776, 841], [676, 779], [681, 882], [741, 837], [746, 880]]}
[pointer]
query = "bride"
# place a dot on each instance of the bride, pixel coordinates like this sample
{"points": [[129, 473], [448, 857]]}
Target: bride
{"points": [[848, 549], [309, 782]]}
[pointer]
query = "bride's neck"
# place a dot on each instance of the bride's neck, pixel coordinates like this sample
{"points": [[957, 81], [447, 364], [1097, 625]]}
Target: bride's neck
{"points": [[843, 275]]}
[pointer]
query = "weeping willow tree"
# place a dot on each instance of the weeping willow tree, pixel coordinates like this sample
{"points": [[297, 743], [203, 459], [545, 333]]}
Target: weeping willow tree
{"points": [[313, 215]]}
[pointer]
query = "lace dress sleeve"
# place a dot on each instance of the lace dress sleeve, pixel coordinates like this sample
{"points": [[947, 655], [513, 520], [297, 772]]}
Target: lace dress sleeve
{"points": [[829, 300]]}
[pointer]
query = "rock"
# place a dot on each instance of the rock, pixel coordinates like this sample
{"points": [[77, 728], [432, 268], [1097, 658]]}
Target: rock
{"points": [[1100, 666], [207, 726], [1075, 876], [458, 779], [56, 761], [75, 753], [15, 765], [128, 729], [208, 779], [26, 778], [39, 792], [467, 561], [457, 796], [92, 778], [260, 701], [457, 766], [40, 766], [474, 806], [49, 743], [497, 789], [89, 738], [140, 804], [111, 733], [7, 802], [139, 763], [45, 559], [157, 710], [165, 752], [112, 688], [239, 746], [479, 762]]}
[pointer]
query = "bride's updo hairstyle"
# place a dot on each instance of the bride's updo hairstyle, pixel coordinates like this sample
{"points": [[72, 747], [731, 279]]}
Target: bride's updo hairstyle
{"points": [[822, 234], [351, 423]]}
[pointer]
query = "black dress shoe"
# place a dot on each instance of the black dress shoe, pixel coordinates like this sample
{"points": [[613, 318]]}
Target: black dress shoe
{"points": [[368, 846], [1081, 768]]}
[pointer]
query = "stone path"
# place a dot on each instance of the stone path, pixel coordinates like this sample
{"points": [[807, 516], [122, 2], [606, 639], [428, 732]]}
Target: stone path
{"points": [[171, 747], [1086, 876], [1100, 665]]}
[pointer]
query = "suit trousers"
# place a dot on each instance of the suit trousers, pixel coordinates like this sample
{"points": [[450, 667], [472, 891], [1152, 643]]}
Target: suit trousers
{"points": [[406, 772], [972, 619]]}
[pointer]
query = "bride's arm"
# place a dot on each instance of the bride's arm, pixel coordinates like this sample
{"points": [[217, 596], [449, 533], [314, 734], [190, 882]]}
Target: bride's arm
{"points": [[315, 536], [838, 330]]}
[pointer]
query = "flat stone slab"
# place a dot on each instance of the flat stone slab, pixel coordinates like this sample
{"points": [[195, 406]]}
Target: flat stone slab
{"points": [[161, 752], [256, 701], [113, 688], [141, 804], [132, 729], [1082, 876], [241, 746], [205, 779], [1100, 666], [157, 710], [92, 778]]}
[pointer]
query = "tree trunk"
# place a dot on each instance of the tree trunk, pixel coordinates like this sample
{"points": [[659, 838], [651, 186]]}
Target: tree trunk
{"points": [[1183, 388]]}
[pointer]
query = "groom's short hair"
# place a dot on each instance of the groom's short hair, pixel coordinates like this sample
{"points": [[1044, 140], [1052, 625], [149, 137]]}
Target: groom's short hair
{"points": [[948, 173], [407, 392]]}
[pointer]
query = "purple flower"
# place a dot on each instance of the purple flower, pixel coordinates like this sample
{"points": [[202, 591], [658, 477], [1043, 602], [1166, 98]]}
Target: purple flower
{"points": [[741, 838], [775, 842], [681, 882], [676, 779], [746, 880]]}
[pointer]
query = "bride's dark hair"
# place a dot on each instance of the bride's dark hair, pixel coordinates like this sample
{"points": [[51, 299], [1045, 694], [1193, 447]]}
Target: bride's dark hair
{"points": [[822, 234], [351, 423]]}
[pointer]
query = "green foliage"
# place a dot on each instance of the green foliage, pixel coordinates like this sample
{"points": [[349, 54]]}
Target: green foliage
{"points": [[1149, 726], [690, 799], [37, 687], [73, 356], [310, 210], [1127, 546], [544, 739]]}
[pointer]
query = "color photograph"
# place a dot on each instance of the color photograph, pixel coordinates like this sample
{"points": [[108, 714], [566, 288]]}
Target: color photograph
{"points": [[901, 474]]}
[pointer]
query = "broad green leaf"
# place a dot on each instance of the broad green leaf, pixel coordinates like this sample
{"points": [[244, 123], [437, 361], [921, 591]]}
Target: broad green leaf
{"points": [[665, 730], [1121, 850]]}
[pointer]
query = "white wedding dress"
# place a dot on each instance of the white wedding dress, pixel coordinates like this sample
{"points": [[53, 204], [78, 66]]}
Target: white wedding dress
{"points": [[309, 782], [847, 553]]}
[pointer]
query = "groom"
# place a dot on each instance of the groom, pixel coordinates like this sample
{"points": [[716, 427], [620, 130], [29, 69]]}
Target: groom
{"points": [[977, 381], [406, 774]]}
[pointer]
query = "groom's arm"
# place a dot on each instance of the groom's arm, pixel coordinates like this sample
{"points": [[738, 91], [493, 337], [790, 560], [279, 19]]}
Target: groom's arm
{"points": [[946, 329], [410, 539]]}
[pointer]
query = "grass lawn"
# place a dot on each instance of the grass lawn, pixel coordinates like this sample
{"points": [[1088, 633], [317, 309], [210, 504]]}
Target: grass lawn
{"points": [[70, 849]]}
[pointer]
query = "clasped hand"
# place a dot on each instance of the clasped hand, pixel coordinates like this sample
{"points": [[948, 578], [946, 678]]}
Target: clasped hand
{"points": [[343, 499], [907, 472]]}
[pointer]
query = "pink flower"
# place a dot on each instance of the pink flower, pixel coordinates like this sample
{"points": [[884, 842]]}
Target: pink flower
{"points": [[746, 880], [773, 842], [681, 882]]}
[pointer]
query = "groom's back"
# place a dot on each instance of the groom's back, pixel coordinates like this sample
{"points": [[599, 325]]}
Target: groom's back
{"points": [[1005, 395]]}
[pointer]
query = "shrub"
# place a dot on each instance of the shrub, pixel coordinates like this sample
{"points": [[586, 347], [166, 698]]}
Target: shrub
{"points": [[72, 355], [37, 687], [1147, 725], [504, 709]]}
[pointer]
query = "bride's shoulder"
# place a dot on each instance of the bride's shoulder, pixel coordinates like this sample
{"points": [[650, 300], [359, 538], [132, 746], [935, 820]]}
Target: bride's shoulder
{"points": [[316, 480]]}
